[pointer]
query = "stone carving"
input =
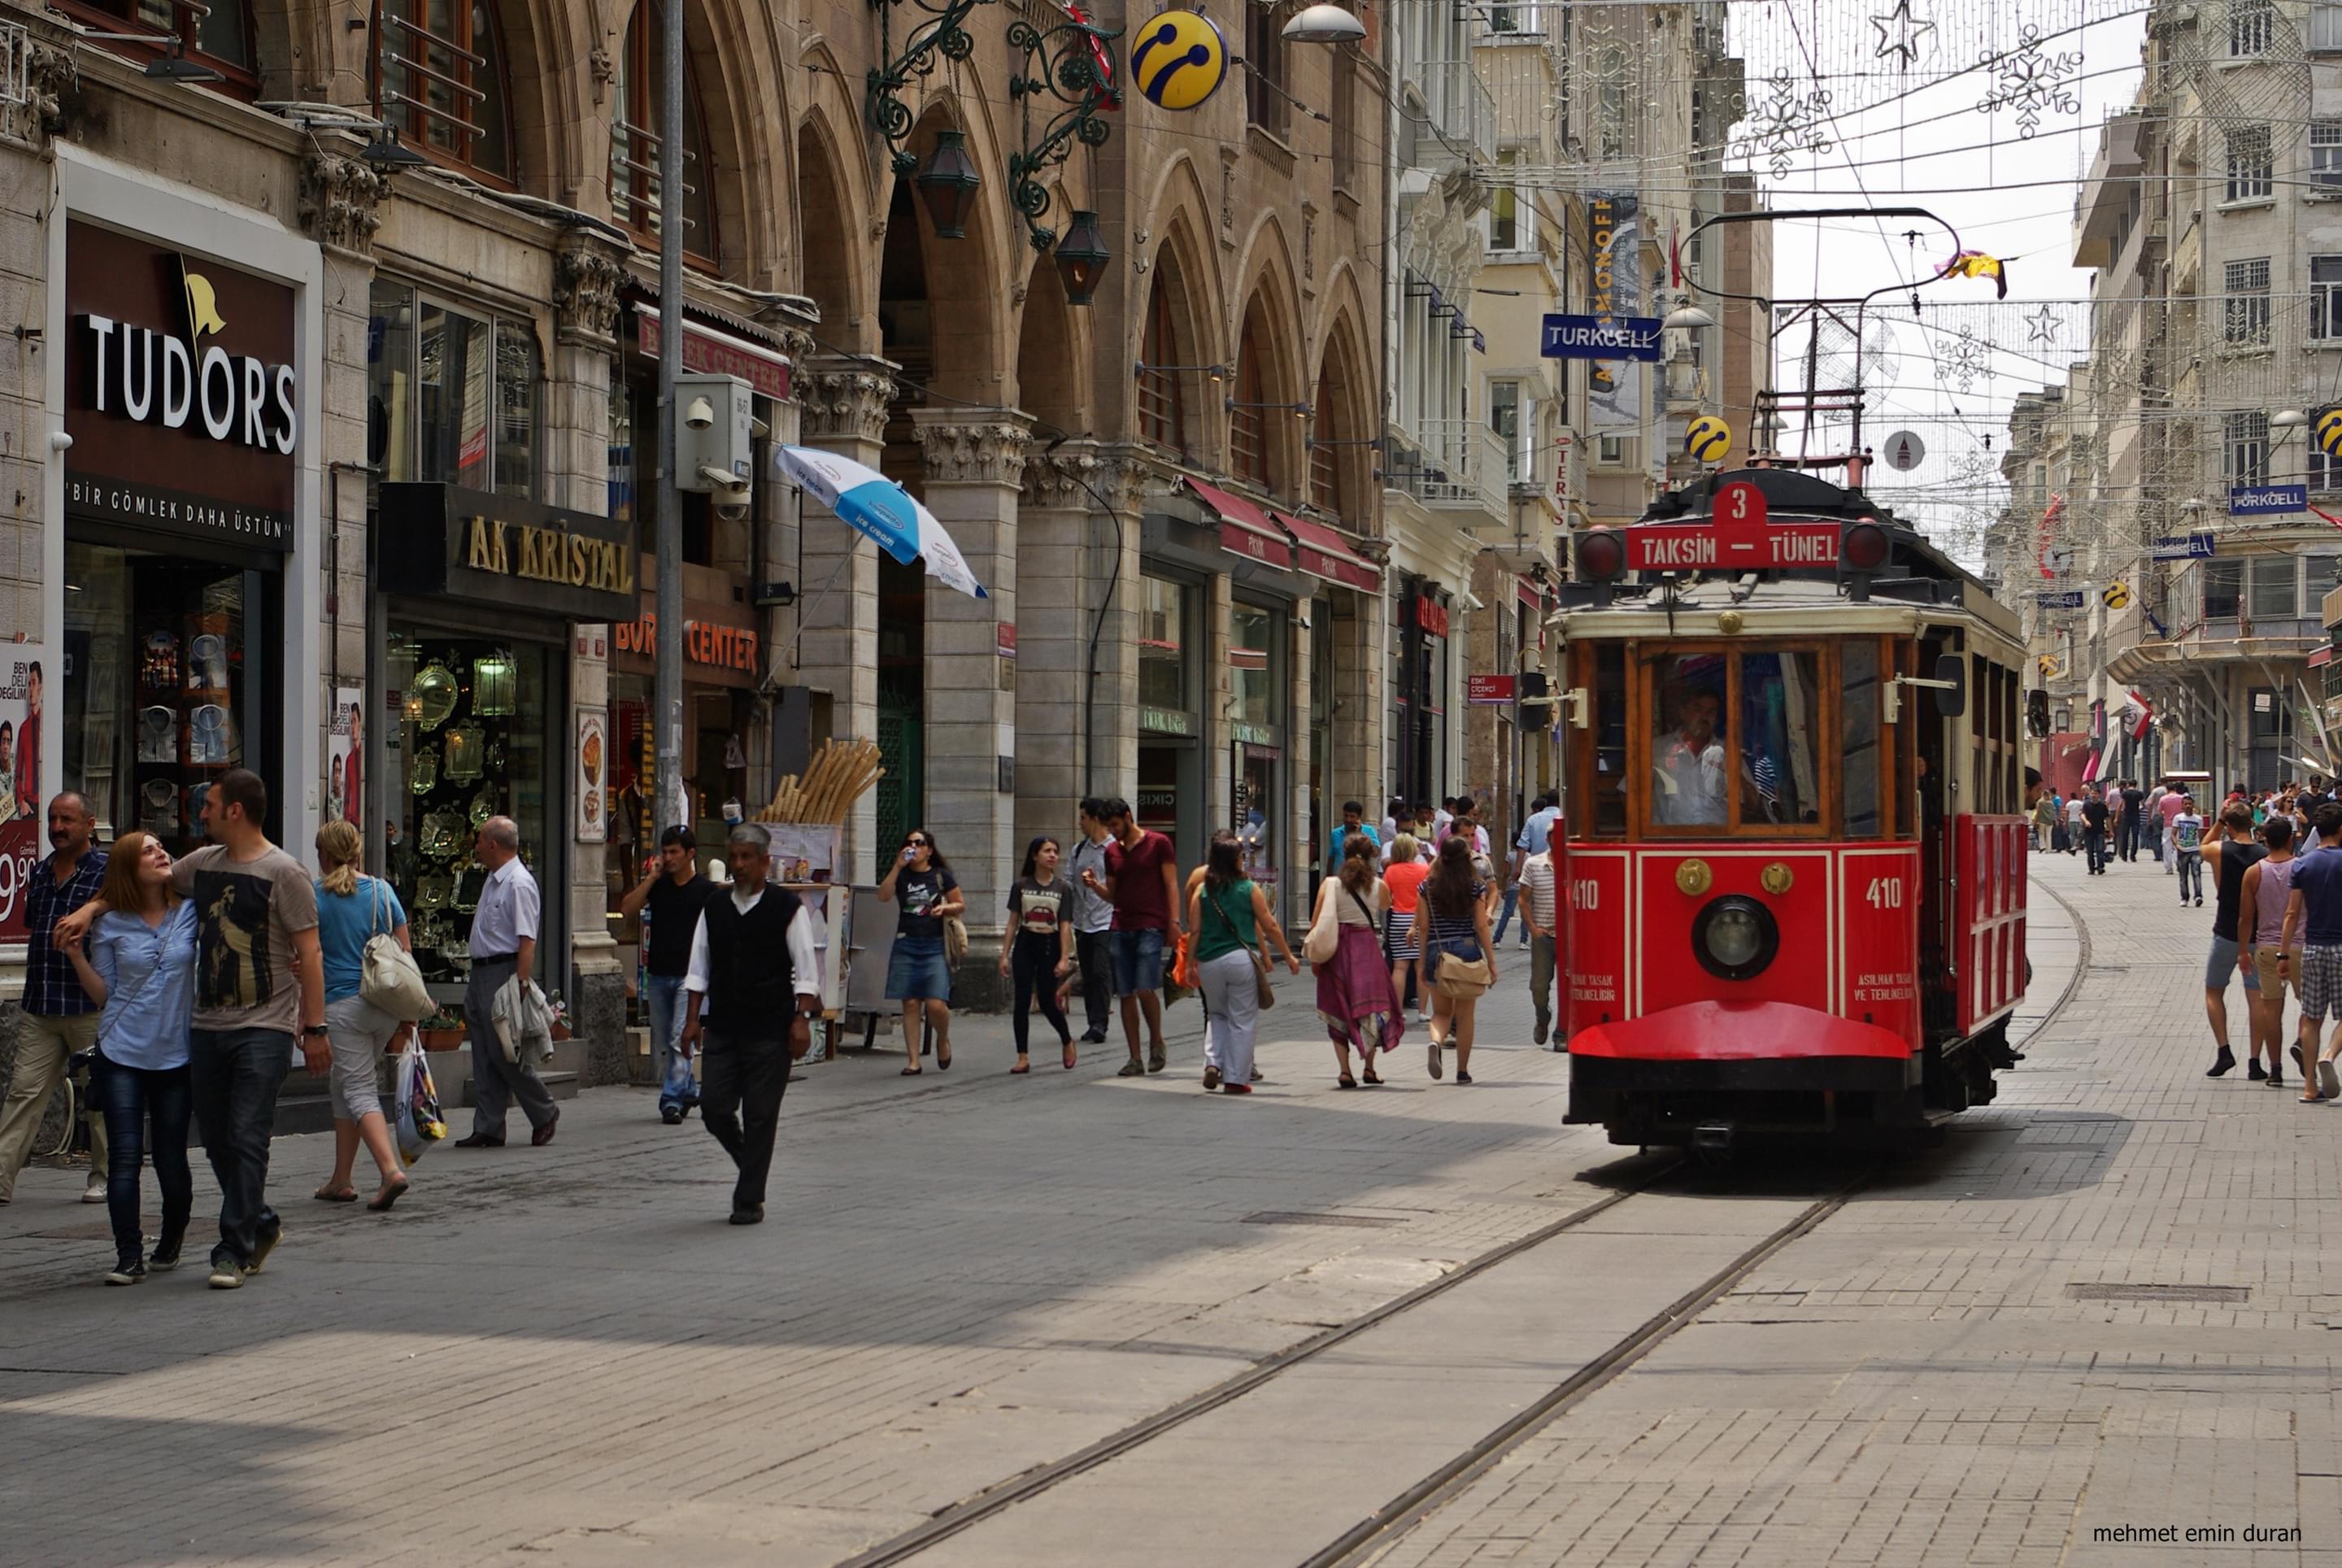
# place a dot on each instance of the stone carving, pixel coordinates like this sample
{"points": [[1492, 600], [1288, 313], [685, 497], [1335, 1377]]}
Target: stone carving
{"points": [[606, 70], [48, 73], [838, 403], [1308, 240], [586, 282], [976, 452], [1228, 158], [797, 343], [339, 195]]}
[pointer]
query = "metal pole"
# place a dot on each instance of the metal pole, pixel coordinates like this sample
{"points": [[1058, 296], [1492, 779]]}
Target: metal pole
{"points": [[667, 705]]}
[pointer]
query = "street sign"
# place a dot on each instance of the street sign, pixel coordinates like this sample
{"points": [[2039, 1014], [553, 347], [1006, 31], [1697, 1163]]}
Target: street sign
{"points": [[2268, 500], [1489, 690], [1633, 337], [2116, 593], [1693, 547], [2070, 599], [2184, 547], [1905, 451]]}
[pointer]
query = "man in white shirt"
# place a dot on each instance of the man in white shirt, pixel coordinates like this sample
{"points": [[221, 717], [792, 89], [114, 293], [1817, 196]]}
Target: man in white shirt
{"points": [[1534, 840], [754, 983], [1688, 784], [503, 948], [1538, 885], [1092, 921]]}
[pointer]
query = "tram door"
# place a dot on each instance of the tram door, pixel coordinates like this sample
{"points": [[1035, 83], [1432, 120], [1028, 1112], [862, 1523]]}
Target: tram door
{"points": [[1938, 801]]}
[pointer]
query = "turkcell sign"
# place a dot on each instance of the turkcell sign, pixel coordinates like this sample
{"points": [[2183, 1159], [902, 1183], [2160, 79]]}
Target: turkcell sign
{"points": [[1601, 338], [2069, 600], [2268, 500], [2184, 547], [1682, 547]]}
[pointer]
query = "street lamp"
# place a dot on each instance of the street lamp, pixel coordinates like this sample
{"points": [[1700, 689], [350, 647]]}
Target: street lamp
{"points": [[1686, 316], [947, 183], [1082, 256], [1324, 24]]}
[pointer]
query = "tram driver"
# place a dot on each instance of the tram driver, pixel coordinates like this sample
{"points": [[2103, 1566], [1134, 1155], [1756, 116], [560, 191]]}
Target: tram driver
{"points": [[1688, 771]]}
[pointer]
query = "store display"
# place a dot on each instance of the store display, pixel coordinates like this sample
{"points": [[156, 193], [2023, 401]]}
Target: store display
{"points": [[158, 667], [468, 888], [444, 834], [211, 736], [432, 698], [207, 663], [432, 891], [493, 686], [484, 805], [161, 817], [468, 754], [427, 770], [158, 735], [197, 795]]}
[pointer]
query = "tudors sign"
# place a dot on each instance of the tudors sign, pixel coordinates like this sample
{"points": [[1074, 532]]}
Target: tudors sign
{"points": [[506, 552], [181, 395], [1601, 338]]}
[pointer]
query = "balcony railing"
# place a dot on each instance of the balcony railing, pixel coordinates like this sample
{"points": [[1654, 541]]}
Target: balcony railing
{"points": [[1462, 112], [1460, 463]]}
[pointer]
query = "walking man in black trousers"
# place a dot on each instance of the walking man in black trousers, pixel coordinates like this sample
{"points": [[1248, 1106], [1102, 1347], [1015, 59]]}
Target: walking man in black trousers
{"points": [[754, 981]]}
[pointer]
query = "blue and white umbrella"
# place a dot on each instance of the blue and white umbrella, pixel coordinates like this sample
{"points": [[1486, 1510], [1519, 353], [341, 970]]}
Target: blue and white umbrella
{"points": [[880, 510]]}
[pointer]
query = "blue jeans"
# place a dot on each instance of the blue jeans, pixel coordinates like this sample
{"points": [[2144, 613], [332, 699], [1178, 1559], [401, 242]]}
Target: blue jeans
{"points": [[237, 1075], [1137, 961], [127, 1097], [678, 1090], [1505, 915]]}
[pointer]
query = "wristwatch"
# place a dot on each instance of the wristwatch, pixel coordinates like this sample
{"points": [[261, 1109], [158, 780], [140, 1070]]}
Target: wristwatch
{"points": [[314, 1028]]}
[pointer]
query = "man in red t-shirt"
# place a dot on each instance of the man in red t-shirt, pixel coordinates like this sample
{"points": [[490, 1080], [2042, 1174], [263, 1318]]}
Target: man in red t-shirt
{"points": [[1142, 882]]}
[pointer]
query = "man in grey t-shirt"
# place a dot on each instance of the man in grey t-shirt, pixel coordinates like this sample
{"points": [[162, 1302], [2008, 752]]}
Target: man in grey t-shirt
{"points": [[1092, 918]]}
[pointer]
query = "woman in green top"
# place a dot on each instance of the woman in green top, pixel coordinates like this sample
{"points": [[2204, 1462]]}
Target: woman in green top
{"points": [[1230, 917]]}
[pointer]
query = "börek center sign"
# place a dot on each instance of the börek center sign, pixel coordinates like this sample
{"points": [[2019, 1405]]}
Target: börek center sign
{"points": [[181, 394]]}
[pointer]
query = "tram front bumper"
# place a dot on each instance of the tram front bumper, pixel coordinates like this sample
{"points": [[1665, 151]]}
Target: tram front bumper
{"points": [[1754, 1065]]}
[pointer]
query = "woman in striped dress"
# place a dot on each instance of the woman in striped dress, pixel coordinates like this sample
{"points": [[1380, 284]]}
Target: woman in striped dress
{"points": [[1455, 932]]}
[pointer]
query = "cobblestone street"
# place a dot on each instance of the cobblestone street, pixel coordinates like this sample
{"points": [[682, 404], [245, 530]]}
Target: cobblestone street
{"points": [[2100, 1304]]}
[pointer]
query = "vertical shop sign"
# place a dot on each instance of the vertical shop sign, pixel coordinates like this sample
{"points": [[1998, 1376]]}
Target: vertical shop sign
{"points": [[23, 690], [593, 775], [345, 758], [1615, 386]]}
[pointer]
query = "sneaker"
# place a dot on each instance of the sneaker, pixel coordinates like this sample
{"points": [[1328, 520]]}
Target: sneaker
{"points": [[1211, 1077], [1434, 1059], [1159, 1057], [1462, 1076], [749, 1214], [261, 1248], [2277, 1077], [164, 1257], [126, 1274], [1257, 1075], [95, 1192], [225, 1276], [1094, 1037], [2200, 900], [2223, 1064], [672, 1115], [2329, 1082], [2254, 1070], [1236, 1088], [1544, 1031], [1131, 1070]]}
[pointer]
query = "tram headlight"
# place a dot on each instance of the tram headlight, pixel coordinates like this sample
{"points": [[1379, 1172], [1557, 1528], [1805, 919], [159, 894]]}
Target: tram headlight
{"points": [[1864, 546], [1735, 937], [1601, 556]]}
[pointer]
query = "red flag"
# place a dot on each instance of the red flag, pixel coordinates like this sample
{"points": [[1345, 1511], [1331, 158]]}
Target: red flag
{"points": [[2145, 716]]}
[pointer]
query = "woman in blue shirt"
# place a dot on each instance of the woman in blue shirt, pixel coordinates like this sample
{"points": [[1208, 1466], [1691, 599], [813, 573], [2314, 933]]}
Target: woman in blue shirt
{"points": [[352, 910], [139, 962]]}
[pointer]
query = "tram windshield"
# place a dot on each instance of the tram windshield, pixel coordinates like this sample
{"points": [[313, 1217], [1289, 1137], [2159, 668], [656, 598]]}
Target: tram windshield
{"points": [[1736, 737]]}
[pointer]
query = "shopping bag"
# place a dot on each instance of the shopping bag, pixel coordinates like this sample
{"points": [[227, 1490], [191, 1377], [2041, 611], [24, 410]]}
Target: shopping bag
{"points": [[419, 1122]]}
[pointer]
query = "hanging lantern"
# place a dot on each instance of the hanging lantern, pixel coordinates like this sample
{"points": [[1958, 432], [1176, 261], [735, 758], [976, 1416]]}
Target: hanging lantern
{"points": [[1082, 256], [948, 184]]}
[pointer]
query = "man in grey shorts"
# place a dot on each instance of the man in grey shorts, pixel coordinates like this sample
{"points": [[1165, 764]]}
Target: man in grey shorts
{"points": [[2313, 918]]}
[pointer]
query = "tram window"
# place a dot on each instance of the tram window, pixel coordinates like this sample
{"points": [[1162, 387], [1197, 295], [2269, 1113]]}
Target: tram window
{"points": [[1610, 740], [1858, 735], [1780, 709], [1688, 757]]}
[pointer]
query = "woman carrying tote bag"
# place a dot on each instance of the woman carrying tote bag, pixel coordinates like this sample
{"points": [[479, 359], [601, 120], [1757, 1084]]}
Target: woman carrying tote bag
{"points": [[352, 910], [1457, 952], [1357, 999]]}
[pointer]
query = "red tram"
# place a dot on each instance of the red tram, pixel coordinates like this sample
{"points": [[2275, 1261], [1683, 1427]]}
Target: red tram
{"points": [[1792, 878]]}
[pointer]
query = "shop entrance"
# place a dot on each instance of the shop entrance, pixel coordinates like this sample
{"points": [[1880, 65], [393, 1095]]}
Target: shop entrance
{"points": [[902, 698], [170, 683], [1170, 792]]}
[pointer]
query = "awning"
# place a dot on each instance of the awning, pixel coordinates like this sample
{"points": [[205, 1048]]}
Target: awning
{"points": [[1245, 529], [719, 351], [1532, 595], [1326, 554]]}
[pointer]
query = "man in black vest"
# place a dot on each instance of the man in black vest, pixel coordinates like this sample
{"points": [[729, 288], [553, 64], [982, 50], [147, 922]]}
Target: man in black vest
{"points": [[753, 981]]}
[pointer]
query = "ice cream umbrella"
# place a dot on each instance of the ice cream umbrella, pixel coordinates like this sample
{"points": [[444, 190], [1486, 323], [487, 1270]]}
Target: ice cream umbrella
{"points": [[880, 510]]}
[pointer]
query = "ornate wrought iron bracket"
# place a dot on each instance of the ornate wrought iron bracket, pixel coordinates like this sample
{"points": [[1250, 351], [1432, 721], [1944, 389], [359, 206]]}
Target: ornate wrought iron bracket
{"points": [[1072, 63], [940, 36]]}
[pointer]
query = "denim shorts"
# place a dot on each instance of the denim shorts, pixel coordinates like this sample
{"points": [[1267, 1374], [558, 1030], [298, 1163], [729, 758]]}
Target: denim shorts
{"points": [[1137, 961], [2220, 967], [917, 970]]}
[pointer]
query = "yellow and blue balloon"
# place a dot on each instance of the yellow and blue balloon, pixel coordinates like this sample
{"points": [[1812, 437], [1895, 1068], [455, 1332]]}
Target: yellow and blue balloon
{"points": [[1708, 438], [2328, 431], [1178, 59]]}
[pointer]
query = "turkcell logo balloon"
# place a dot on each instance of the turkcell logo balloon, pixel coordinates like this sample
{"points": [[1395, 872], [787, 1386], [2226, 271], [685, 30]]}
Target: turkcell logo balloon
{"points": [[1708, 438], [2329, 432], [1177, 59]]}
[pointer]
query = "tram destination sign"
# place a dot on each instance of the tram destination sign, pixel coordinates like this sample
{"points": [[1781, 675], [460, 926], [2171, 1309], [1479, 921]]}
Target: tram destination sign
{"points": [[1701, 547]]}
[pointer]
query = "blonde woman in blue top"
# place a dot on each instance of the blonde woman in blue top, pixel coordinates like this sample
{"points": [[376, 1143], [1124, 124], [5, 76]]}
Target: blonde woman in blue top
{"points": [[138, 962]]}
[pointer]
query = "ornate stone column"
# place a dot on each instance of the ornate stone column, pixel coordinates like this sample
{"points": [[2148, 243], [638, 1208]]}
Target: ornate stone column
{"points": [[842, 407], [975, 471]]}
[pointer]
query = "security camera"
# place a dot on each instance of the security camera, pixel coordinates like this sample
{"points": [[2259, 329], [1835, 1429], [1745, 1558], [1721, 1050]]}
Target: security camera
{"points": [[699, 414], [733, 508], [729, 485]]}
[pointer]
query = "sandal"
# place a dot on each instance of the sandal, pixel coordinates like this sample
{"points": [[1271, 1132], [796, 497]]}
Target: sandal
{"points": [[1345, 1081], [391, 1193], [1068, 1056], [336, 1194], [942, 1058], [911, 1073], [1371, 1079], [1021, 1068], [1131, 1069]]}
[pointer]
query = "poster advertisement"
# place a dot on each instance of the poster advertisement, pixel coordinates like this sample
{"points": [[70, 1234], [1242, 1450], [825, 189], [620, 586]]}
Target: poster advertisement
{"points": [[593, 775], [1615, 386], [23, 830], [345, 758]]}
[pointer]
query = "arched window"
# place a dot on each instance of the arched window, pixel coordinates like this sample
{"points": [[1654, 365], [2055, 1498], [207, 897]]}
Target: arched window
{"points": [[634, 142], [217, 33], [1327, 455], [1162, 401], [439, 82], [1248, 421]]}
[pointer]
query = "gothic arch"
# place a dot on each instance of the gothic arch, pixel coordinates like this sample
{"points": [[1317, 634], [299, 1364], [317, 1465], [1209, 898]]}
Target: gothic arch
{"points": [[833, 257]]}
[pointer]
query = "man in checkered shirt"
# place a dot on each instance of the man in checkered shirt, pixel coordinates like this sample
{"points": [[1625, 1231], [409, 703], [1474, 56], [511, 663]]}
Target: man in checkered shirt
{"points": [[2313, 917], [59, 1021]]}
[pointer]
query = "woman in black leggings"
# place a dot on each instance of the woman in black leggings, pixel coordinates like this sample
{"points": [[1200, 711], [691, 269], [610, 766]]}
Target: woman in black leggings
{"points": [[1040, 952]]}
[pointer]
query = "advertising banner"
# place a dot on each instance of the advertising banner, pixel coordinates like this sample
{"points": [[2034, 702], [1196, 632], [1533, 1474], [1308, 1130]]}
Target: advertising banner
{"points": [[1615, 389], [23, 829]]}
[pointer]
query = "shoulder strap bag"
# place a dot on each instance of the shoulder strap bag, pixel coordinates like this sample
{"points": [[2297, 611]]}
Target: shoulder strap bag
{"points": [[388, 978], [1262, 991]]}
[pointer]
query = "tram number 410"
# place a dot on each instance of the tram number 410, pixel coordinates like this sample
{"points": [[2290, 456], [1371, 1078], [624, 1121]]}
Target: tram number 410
{"points": [[1585, 893], [1885, 893]]}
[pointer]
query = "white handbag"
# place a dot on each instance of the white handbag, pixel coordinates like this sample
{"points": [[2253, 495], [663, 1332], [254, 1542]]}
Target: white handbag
{"points": [[388, 978]]}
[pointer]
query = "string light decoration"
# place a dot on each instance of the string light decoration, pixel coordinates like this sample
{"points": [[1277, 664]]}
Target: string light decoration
{"points": [[2033, 81]]}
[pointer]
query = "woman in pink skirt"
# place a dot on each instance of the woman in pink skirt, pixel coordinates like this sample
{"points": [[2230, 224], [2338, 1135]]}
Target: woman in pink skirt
{"points": [[1355, 998]]}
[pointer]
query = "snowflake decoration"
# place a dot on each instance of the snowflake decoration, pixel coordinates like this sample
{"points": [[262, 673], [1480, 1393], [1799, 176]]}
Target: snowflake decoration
{"points": [[2041, 326], [1787, 123], [2032, 81], [1964, 361], [1901, 34]]}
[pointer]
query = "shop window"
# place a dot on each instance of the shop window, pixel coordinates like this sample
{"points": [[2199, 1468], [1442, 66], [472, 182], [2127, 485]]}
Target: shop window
{"points": [[438, 76], [1252, 665], [215, 33], [170, 657], [1162, 637], [634, 151], [474, 741], [450, 397]]}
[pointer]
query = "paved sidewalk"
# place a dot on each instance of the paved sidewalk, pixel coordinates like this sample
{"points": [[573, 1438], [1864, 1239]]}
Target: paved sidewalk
{"points": [[2104, 1303]]}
